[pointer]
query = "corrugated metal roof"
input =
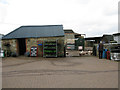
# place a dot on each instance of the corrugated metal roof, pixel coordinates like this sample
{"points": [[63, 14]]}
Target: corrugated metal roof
{"points": [[36, 31], [108, 38], [68, 31], [116, 34], [93, 38]]}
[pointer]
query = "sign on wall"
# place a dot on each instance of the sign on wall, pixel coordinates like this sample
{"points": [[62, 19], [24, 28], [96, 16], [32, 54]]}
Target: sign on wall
{"points": [[33, 51]]}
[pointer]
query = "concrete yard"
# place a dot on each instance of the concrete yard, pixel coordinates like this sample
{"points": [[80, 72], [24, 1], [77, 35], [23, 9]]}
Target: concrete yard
{"points": [[69, 72]]}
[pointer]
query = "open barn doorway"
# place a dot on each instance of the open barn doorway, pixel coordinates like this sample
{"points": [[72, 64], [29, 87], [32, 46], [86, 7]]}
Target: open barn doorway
{"points": [[21, 46]]}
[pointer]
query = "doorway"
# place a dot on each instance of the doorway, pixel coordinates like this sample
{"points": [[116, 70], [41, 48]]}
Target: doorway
{"points": [[21, 46]]}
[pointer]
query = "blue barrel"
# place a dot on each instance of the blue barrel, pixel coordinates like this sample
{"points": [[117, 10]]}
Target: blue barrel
{"points": [[104, 53]]}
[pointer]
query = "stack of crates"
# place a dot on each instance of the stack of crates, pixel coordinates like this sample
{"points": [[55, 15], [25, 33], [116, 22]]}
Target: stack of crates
{"points": [[50, 49]]}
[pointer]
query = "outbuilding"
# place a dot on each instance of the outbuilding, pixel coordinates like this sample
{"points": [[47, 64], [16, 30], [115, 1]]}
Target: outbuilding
{"points": [[43, 41], [1, 35], [117, 37]]}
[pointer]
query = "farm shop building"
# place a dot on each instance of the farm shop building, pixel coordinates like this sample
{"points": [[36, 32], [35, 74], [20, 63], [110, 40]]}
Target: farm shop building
{"points": [[43, 41]]}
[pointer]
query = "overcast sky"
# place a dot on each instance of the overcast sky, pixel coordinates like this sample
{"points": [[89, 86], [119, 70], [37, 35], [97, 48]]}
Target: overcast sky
{"points": [[90, 17]]}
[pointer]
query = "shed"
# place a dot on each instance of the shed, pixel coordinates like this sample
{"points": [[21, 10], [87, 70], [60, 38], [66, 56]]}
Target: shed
{"points": [[107, 38], [117, 37], [1, 35], [27, 38]]}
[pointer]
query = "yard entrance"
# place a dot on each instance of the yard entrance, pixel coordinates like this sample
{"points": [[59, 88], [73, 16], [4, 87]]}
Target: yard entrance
{"points": [[72, 53], [21, 46]]}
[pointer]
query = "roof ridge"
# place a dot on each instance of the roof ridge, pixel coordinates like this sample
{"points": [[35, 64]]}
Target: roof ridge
{"points": [[39, 25]]}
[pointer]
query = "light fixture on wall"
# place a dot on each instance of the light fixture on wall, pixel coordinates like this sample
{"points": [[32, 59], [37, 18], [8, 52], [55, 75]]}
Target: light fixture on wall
{"points": [[28, 40]]}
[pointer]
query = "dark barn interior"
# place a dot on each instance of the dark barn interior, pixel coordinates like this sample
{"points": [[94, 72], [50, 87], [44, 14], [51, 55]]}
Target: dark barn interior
{"points": [[21, 46]]}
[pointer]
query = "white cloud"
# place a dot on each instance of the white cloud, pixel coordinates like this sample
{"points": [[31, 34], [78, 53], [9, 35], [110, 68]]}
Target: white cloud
{"points": [[83, 16], [3, 10]]}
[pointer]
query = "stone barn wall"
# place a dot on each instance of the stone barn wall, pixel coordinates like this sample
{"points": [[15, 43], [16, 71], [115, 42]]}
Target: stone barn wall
{"points": [[12, 43], [34, 42]]}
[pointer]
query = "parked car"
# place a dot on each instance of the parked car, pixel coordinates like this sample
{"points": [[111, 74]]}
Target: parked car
{"points": [[115, 52], [70, 46]]}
